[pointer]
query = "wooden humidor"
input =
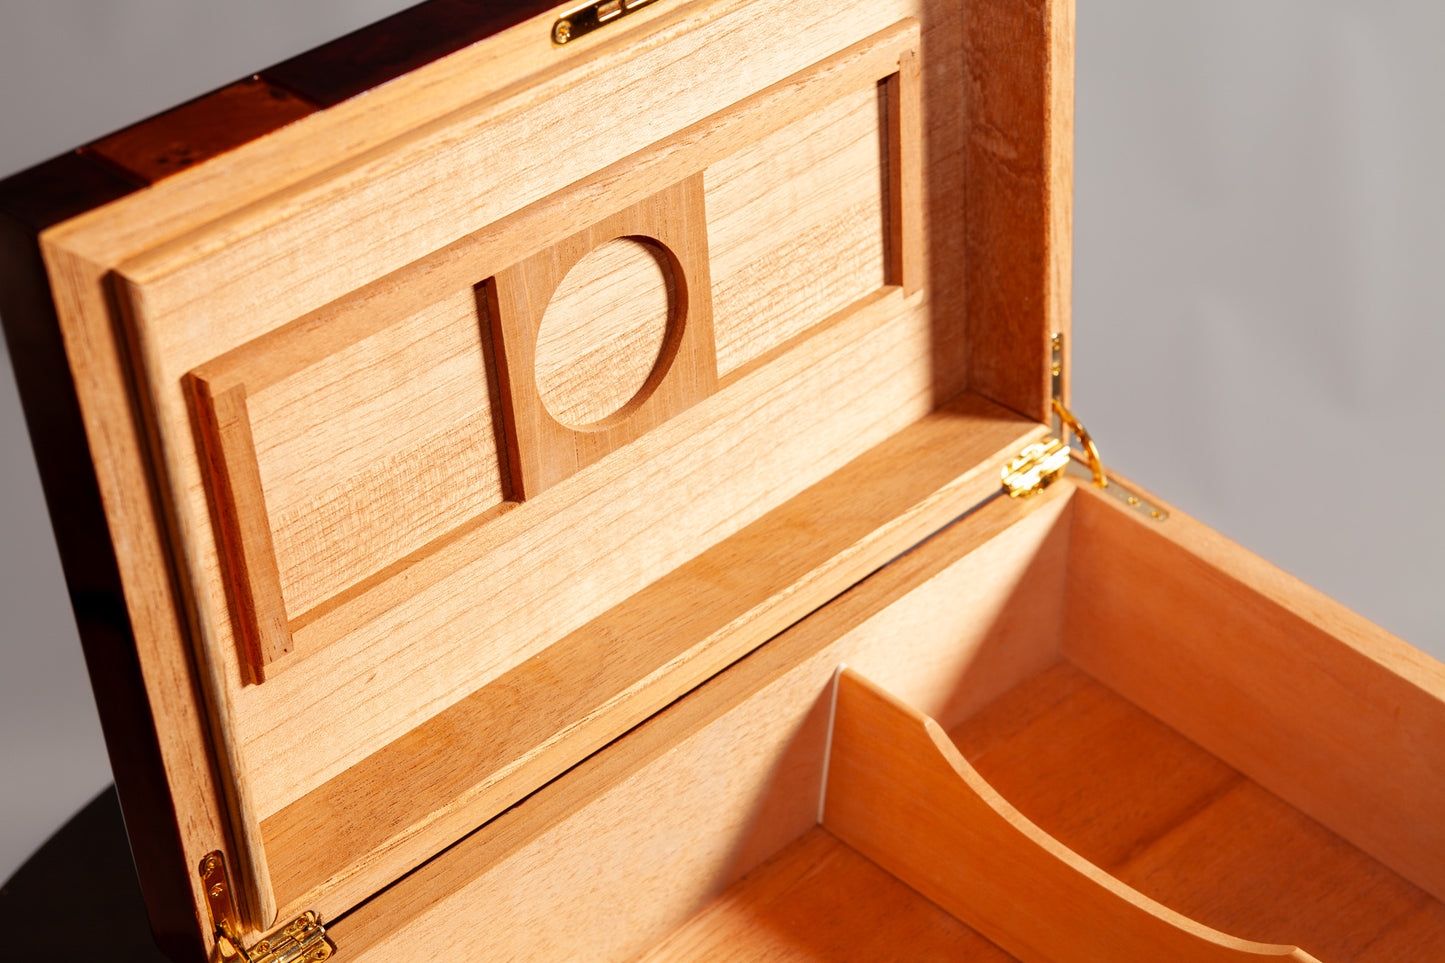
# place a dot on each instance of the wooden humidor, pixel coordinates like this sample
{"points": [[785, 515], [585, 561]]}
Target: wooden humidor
{"points": [[477, 447]]}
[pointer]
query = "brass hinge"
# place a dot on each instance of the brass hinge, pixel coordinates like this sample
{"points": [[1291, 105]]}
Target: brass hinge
{"points": [[303, 940], [1041, 464], [590, 16], [1037, 467]]}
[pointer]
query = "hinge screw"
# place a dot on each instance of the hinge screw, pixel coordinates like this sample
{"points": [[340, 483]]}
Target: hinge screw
{"points": [[562, 32]]}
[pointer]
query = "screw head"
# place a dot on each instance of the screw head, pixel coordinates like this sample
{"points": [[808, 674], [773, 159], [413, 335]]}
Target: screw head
{"points": [[562, 32]]}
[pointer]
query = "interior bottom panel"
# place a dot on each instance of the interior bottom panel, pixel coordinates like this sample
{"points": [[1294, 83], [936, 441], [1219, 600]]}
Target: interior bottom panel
{"points": [[1157, 812], [819, 899]]}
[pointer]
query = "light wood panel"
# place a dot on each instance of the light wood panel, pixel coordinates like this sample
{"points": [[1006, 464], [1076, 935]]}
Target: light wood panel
{"points": [[796, 227], [542, 450], [348, 836], [288, 751], [159, 615], [818, 900], [632, 842], [437, 627], [539, 451], [1018, 130], [603, 331], [1333, 714], [326, 477], [1153, 809], [900, 793], [375, 451]]}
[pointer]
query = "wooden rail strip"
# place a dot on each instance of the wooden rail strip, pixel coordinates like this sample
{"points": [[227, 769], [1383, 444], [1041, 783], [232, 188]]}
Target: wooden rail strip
{"points": [[900, 792]]}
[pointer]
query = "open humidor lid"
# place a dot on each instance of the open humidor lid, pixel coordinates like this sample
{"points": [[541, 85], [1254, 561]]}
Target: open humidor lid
{"points": [[446, 433]]}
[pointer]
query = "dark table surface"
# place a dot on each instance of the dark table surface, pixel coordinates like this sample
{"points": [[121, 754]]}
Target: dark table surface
{"points": [[77, 898]]}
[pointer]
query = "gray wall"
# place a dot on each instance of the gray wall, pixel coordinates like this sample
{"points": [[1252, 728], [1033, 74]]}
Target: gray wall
{"points": [[1257, 319]]}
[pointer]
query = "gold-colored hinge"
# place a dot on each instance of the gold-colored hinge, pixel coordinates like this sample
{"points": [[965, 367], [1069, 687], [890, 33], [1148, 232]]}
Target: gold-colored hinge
{"points": [[1041, 464], [1037, 467], [303, 940], [590, 16]]}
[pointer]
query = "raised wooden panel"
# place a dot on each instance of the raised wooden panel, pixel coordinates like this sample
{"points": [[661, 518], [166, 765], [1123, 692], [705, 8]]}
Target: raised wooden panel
{"points": [[490, 569], [544, 449], [604, 331], [375, 451], [319, 530], [797, 226], [326, 475]]}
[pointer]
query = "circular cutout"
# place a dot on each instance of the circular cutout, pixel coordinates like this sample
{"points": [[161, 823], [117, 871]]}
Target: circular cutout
{"points": [[604, 331]]}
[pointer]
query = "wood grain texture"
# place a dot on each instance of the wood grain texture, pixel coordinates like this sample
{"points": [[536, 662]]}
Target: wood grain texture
{"points": [[210, 811], [543, 450], [449, 622], [323, 607], [1153, 809], [900, 793], [247, 553], [820, 900], [468, 762], [154, 602], [604, 331], [286, 741], [1018, 200], [796, 227], [378, 450], [1312, 702], [730, 775]]}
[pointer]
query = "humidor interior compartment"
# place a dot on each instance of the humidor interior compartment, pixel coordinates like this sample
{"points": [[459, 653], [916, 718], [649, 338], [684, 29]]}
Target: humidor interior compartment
{"points": [[460, 450], [1138, 738], [402, 530]]}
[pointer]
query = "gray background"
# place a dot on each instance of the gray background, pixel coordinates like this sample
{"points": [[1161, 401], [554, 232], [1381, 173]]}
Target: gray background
{"points": [[1257, 305]]}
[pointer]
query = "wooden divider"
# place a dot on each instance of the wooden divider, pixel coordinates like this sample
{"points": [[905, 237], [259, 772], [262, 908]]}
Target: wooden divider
{"points": [[899, 792]]}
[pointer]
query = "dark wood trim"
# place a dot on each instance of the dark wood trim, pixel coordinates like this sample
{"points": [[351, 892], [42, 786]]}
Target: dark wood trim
{"points": [[401, 43], [225, 119], [87, 552], [219, 122], [59, 189]]}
